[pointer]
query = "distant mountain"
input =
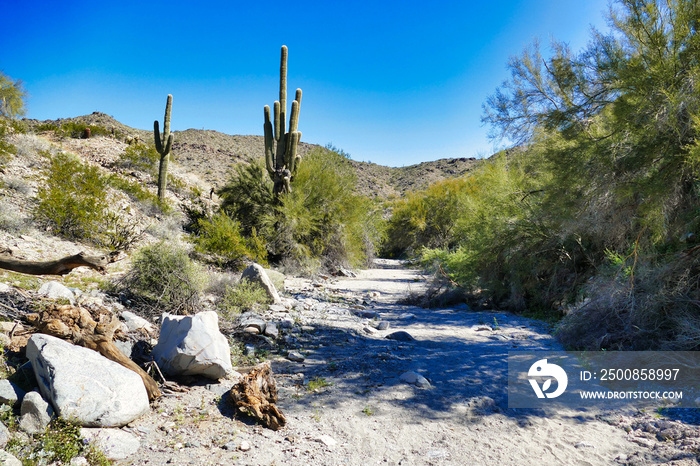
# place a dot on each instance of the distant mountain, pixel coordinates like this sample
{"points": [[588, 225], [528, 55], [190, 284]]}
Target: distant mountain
{"points": [[212, 156]]}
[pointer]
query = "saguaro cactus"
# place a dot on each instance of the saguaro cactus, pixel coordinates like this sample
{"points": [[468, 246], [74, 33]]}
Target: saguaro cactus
{"points": [[281, 158], [163, 147]]}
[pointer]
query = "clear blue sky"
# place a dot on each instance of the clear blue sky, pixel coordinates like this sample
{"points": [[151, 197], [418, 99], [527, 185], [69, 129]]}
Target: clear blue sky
{"points": [[392, 82]]}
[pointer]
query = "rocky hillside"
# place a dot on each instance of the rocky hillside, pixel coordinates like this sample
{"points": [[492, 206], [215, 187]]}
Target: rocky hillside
{"points": [[211, 156]]}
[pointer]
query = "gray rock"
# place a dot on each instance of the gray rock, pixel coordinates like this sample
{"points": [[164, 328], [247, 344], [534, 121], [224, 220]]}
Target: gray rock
{"points": [[295, 356], [289, 323], [35, 413], [407, 316], [252, 323], [254, 273], [366, 314], [5, 288], [244, 446], [193, 345], [6, 459], [84, 386], [5, 435], [380, 325], [135, 323], [126, 347], [278, 308], [55, 290], [498, 337], [116, 444], [414, 378], [401, 335], [271, 330], [10, 394]]}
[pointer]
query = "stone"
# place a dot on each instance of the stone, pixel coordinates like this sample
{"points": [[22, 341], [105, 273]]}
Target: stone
{"points": [[401, 335], [5, 288], [366, 314], [35, 413], [414, 378], [5, 435], [10, 394], [252, 323], [135, 323], [481, 328], [78, 461], [584, 445], [407, 316], [498, 337], [126, 347], [244, 446], [295, 356], [327, 440], [381, 325], [271, 330], [55, 290], [289, 323], [255, 273], [193, 345], [116, 444], [6, 459], [84, 386]]}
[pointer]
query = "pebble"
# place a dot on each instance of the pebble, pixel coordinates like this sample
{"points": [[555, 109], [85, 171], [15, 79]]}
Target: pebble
{"points": [[229, 446], [295, 356], [414, 378], [407, 316], [244, 446], [327, 440], [584, 445], [401, 335]]}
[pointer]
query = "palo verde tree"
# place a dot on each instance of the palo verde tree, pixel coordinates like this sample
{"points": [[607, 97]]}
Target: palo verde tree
{"points": [[281, 158], [12, 96], [163, 146]]}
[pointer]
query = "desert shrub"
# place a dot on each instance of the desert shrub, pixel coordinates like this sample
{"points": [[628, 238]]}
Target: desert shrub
{"points": [[242, 297], [221, 237], [322, 222], [120, 232], [11, 219], [75, 129], [72, 199], [165, 278], [7, 149], [140, 156]]}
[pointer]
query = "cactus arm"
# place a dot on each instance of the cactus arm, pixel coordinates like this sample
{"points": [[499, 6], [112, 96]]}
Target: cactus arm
{"points": [[269, 143], [156, 134], [169, 144], [166, 119], [283, 89], [292, 153], [278, 134]]}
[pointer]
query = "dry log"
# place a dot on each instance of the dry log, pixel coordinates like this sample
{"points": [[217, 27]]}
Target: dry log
{"points": [[256, 395], [57, 267], [94, 330]]}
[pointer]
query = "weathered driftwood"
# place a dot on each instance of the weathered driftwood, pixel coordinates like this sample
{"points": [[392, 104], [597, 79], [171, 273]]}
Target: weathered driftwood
{"points": [[92, 329], [57, 267], [256, 395]]}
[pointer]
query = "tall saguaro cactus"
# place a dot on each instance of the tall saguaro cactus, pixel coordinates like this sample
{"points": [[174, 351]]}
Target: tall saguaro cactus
{"points": [[163, 147], [281, 158]]}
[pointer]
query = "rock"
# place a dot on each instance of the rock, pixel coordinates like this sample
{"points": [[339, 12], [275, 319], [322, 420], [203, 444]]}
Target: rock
{"points": [[295, 356], [407, 316], [135, 323], [498, 337], [252, 323], [327, 440], [271, 330], [366, 314], [481, 328], [5, 435], [126, 347], [84, 386], [55, 290], [343, 272], [229, 446], [7, 327], [414, 378], [369, 330], [254, 273], [400, 336], [79, 461], [5, 340], [193, 345], [584, 445], [10, 394], [5, 288], [289, 323], [277, 308], [381, 325], [35, 413], [244, 446], [116, 444], [6, 459]]}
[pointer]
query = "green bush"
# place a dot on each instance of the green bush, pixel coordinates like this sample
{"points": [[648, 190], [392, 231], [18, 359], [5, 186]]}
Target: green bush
{"points": [[7, 149], [221, 237], [141, 157], [322, 222], [243, 297], [76, 129], [72, 200], [165, 278]]}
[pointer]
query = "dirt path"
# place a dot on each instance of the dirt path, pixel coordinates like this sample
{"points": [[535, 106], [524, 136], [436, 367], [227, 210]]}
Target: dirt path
{"points": [[362, 412]]}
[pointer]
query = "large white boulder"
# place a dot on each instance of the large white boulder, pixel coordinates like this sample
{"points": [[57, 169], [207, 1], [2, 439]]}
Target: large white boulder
{"points": [[84, 386], [255, 273], [56, 290], [193, 345]]}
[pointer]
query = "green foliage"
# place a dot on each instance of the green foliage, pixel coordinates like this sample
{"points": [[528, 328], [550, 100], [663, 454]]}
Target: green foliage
{"points": [[72, 200], [243, 297], [321, 221], [141, 157], [164, 276], [76, 130], [221, 236], [12, 95], [7, 149]]}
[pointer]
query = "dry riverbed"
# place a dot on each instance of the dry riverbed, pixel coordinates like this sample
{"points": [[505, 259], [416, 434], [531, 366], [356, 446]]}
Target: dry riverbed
{"points": [[347, 403]]}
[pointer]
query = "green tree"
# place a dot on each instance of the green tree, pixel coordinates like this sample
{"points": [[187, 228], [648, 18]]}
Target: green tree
{"points": [[12, 95]]}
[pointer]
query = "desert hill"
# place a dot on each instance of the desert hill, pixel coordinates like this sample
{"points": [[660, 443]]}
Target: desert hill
{"points": [[211, 156]]}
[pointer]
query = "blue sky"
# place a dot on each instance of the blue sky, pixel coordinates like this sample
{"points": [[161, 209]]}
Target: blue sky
{"points": [[392, 82]]}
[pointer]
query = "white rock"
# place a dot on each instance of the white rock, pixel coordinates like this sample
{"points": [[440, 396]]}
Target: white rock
{"points": [[7, 459], [5, 435], [414, 378], [55, 290], [244, 446], [134, 323], [327, 440], [116, 444], [5, 288], [35, 413], [10, 394], [255, 273], [191, 345], [78, 461], [85, 386]]}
